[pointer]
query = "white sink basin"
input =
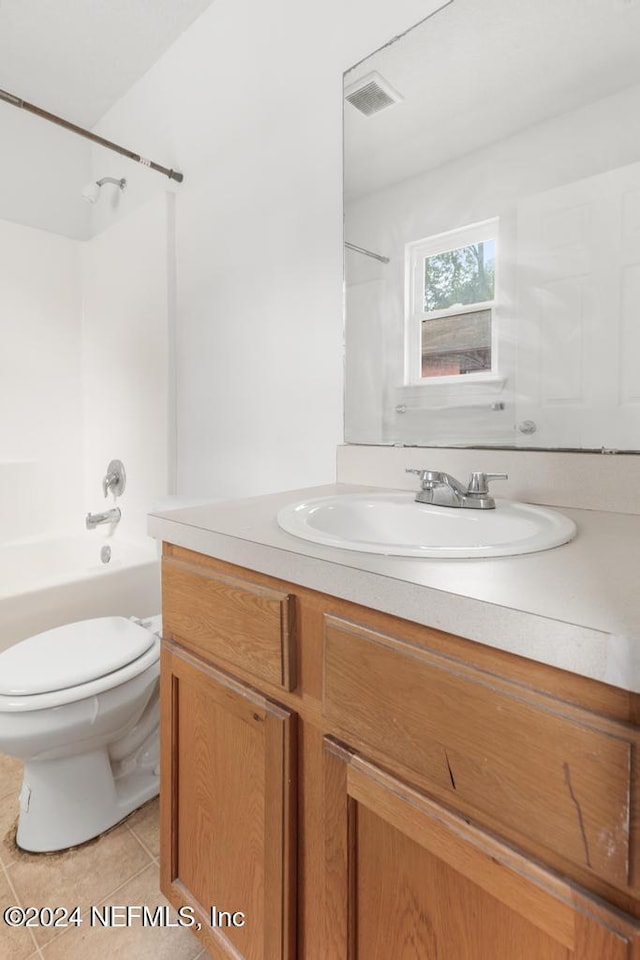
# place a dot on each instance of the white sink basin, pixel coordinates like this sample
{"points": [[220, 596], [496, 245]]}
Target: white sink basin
{"points": [[395, 525]]}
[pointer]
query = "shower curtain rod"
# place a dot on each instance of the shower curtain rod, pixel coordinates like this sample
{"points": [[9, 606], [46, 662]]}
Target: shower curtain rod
{"points": [[367, 253], [52, 118]]}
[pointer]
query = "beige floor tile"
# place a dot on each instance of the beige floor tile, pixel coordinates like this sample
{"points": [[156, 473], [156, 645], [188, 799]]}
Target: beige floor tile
{"points": [[8, 821], [10, 775], [134, 942], [77, 877], [15, 942], [145, 824]]}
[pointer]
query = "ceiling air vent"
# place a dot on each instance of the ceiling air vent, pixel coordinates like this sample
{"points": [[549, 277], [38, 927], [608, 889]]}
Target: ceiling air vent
{"points": [[371, 94]]}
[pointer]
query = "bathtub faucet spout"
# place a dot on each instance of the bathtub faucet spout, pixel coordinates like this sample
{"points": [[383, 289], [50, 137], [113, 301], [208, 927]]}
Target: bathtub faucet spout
{"points": [[109, 516]]}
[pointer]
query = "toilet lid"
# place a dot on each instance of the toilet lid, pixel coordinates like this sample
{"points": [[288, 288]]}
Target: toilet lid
{"points": [[71, 655]]}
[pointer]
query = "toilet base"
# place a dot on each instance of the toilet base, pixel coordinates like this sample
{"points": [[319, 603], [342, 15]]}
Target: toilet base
{"points": [[68, 801]]}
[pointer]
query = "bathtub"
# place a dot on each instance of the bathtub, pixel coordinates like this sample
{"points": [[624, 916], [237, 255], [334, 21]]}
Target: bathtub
{"points": [[47, 582]]}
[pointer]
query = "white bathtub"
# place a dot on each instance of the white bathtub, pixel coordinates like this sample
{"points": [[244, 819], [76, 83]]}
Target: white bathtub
{"points": [[47, 582]]}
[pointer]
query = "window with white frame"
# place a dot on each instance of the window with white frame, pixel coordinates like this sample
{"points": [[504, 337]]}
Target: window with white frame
{"points": [[451, 284]]}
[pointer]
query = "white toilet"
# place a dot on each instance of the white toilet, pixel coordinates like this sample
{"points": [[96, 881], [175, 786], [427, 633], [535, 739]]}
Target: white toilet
{"points": [[80, 705]]}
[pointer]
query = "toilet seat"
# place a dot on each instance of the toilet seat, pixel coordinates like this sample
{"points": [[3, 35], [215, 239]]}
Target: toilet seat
{"points": [[71, 655], [73, 662]]}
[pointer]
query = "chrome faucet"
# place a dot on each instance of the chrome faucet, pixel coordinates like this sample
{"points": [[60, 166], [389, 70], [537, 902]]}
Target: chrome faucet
{"points": [[441, 489], [109, 516]]}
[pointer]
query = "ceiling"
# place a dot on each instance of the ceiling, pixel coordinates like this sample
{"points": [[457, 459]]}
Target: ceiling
{"points": [[481, 70], [77, 57]]}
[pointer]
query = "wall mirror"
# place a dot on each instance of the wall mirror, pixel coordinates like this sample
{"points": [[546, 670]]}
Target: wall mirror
{"points": [[492, 229]]}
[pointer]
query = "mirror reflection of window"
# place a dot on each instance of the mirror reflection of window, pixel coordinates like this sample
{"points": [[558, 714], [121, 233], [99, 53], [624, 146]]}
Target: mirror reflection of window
{"points": [[451, 312]]}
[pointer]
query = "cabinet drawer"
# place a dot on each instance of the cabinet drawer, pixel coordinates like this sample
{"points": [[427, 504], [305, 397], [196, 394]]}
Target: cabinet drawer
{"points": [[231, 621], [552, 775]]}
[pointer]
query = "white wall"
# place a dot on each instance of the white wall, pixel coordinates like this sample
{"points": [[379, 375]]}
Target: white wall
{"points": [[41, 471], [248, 104]]}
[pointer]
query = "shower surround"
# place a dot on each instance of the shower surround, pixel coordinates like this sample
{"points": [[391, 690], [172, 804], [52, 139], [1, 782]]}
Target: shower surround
{"points": [[84, 378]]}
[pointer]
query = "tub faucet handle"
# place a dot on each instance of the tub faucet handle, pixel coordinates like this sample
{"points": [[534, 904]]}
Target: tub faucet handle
{"points": [[115, 479]]}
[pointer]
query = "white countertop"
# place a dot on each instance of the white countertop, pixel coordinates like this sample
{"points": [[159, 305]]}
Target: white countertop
{"points": [[576, 606]]}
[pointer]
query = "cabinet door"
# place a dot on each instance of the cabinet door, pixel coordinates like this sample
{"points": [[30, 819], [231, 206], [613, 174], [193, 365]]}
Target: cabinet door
{"points": [[227, 806], [409, 880]]}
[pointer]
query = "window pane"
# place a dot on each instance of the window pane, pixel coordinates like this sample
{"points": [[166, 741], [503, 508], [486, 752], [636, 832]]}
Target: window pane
{"points": [[459, 277], [457, 344]]}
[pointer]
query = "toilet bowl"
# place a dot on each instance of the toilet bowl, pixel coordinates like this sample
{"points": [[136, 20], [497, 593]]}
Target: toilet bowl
{"points": [[80, 705]]}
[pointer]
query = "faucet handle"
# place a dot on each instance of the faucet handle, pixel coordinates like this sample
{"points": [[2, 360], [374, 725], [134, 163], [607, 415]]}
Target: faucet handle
{"points": [[479, 482], [115, 479]]}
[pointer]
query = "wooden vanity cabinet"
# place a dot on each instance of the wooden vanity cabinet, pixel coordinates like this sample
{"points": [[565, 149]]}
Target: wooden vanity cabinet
{"points": [[363, 788]]}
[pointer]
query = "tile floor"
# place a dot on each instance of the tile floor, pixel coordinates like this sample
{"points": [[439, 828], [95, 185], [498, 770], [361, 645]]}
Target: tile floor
{"points": [[118, 869]]}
